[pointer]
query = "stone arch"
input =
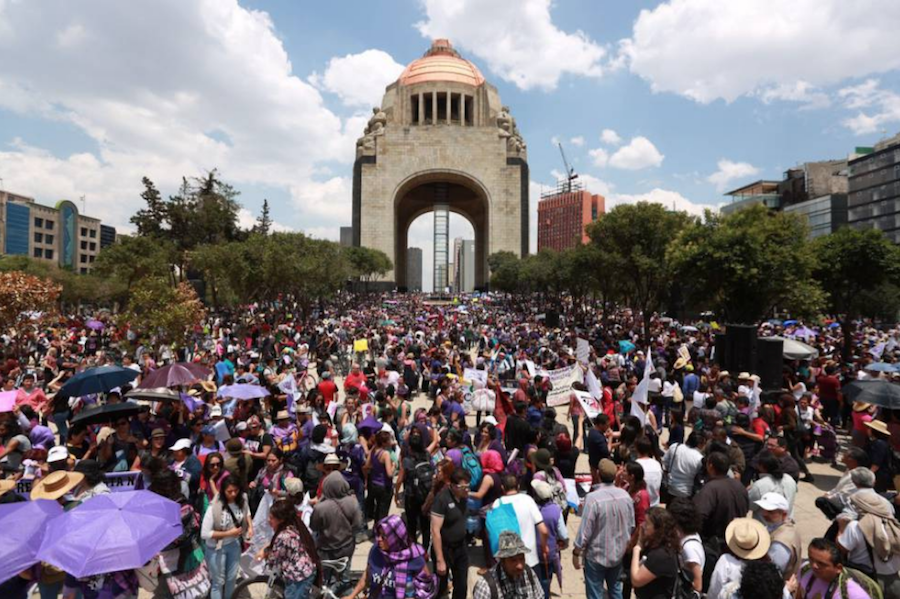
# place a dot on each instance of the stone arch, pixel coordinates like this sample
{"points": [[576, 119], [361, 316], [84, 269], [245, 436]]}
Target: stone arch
{"points": [[465, 195]]}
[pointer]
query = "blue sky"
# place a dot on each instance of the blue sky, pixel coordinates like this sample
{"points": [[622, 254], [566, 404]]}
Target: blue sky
{"points": [[696, 96]]}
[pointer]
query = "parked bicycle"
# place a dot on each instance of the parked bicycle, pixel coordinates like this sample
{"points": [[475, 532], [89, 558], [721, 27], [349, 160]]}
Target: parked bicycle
{"points": [[334, 586]]}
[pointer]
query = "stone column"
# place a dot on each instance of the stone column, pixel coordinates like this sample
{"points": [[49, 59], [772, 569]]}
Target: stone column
{"points": [[462, 109], [449, 95], [421, 115], [434, 117]]}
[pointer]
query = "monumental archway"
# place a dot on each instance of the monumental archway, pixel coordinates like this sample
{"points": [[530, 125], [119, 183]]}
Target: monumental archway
{"points": [[441, 141], [437, 191]]}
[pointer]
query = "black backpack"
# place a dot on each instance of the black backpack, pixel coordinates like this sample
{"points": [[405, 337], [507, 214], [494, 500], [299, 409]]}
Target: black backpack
{"points": [[684, 582], [311, 472], [421, 478]]}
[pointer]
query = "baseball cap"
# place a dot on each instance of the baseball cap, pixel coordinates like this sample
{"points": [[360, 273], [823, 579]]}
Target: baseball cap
{"points": [[57, 454], [181, 444], [215, 411], [773, 501], [241, 426]]}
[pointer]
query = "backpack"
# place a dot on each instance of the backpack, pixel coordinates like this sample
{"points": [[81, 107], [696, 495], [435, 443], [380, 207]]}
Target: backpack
{"points": [[868, 585], [684, 582], [311, 472], [421, 479], [557, 492], [471, 465]]}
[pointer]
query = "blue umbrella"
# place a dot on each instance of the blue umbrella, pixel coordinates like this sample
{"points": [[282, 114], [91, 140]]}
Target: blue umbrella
{"points": [[626, 346], [788, 323], [97, 380], [23, 526], [881, 367]]}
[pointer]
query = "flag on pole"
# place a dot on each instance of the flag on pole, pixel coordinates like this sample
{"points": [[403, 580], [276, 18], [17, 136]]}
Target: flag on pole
{"points": [[641, 392], [288, 386], [593, 385]]}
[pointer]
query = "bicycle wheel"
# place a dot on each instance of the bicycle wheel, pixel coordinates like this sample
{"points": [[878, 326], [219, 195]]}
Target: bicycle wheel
{"points": [[258, 588]]}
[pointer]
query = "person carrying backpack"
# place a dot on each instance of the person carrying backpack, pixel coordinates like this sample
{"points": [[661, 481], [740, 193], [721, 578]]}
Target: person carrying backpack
{"points": [[416, 478], [312, 458]]}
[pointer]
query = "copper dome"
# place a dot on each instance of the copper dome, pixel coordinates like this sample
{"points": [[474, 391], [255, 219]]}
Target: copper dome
{"points": [[441, 63]]}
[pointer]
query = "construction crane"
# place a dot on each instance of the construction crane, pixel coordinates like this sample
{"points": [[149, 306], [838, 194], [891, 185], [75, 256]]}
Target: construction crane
{"points": [[571, 175]]}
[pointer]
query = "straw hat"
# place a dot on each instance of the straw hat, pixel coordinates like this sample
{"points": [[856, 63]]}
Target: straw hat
{"points": [[56, 484], [281, 415], [680, 363], [747, 538], [861, 406], [6, 486], [879, 426], [208, 386], [744, 376]]}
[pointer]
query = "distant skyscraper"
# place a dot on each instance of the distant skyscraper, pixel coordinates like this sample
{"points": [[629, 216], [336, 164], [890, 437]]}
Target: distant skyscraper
{"points": [[346, 236], [563, 215], [414, 269], [465, 265]]}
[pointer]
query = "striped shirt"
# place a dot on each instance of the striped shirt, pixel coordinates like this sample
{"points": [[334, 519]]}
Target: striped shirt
{"points": [[607, 522]]}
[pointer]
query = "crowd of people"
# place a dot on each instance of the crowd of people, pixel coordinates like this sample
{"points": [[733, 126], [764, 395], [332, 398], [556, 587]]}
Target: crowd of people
{"points": [[430, 428]]}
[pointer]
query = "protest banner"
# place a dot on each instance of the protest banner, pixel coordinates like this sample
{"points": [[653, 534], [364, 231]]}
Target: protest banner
{"points": [[583, 351], [562, 380], [592, 407], [116, 481], [472, 375], [361, 345]]}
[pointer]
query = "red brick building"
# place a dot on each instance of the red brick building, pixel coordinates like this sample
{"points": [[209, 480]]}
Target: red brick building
{"points": [[563, 216]]}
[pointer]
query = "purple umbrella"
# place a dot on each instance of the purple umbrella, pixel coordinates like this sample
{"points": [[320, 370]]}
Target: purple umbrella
{"points": [[94, 324], [173, 375], [109, 533], [369, 427], [23, 527], [243, 391]]}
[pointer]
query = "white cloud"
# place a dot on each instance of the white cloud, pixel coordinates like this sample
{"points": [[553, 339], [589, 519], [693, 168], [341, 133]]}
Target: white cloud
{"points": [[708, 49], [247, 220], [640, 153], [670, 199], [801, 91], [577, 141], [610, 137], [359, 79], [730, 171], [876, 107], [599, 156], [219, 93], [516, 38]]}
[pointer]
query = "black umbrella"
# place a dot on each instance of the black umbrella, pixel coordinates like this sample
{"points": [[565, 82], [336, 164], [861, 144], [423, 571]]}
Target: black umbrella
{"points": [[106, 413], [878, 392], [97, 380], [154, 394]]}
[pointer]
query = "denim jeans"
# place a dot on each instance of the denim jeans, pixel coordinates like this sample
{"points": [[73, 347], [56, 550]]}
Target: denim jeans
{"points": [[545, 575], [594, 577], [299, 589], [61, 420], [223, 569]]}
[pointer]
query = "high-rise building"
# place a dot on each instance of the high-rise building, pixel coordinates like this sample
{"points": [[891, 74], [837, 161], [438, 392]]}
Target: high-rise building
{"points": [[464, 259], [414, 269], [874, 197], [59, 235], [563, 215], [347, 236]]}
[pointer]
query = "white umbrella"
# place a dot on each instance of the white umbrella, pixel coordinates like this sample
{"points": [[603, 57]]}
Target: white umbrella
{"points": [[797, 350]]}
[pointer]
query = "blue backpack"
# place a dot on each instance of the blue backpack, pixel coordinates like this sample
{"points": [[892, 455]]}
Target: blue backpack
{"points": [[501, 518], [471, 464]]}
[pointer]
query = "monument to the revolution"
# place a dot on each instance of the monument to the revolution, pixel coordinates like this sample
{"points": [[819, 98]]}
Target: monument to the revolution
{"points": [[441, 141]]}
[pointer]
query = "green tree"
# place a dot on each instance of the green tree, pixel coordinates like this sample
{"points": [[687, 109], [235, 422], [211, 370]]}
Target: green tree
{"points": [[216, 261], [744, 265], [133, 258], [858, 270], [635, 238], [150, 221], [505, 268], [264, 221], [156, 307], [367, 263]]}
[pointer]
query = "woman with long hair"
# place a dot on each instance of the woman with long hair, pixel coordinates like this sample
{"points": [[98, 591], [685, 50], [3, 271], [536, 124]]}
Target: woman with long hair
{"points": [[292, 551], [654, 563], [225, 524], [381, 473], [272, 477], [213, 474]]}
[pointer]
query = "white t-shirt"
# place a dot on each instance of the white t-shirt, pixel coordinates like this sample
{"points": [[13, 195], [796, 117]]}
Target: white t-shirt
{"points": [[853, 540], [653, 478], [683, 463], [692, 551], [529, 516], [654, 386]]}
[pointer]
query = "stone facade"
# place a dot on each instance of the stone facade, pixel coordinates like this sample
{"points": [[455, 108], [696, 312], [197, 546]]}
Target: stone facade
{"points": [[419, 149]]}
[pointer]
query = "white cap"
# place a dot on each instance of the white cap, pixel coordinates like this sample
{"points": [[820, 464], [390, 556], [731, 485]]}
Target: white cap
{"points": [[215, 410], [241, 426], [181, 444], [773, 501], [490, 420], [57, 454]]}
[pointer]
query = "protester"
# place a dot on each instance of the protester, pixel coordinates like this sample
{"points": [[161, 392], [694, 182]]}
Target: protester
{"points": [[226, 525], [292, 551], [511, 577]]}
